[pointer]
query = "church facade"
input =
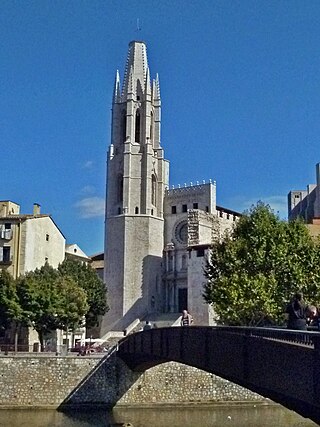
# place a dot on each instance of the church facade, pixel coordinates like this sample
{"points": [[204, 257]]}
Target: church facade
{"points": [[156, 238]]}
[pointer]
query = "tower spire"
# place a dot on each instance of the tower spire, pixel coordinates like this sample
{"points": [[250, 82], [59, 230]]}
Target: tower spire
{"points": [[138, 62], [116, 88]]}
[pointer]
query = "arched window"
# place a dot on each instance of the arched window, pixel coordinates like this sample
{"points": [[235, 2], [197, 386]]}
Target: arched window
{"points": [[151, 126], [137, 129], [154, 190], [184, 262], [136, 211], [120, 188], [124, 126]]}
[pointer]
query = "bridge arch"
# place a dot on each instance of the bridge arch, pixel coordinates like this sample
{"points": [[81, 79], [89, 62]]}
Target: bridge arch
{"points": [[278, 364]]}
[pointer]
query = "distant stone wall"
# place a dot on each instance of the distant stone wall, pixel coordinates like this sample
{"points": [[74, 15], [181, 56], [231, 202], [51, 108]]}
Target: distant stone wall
{"points": [[44, 381]]}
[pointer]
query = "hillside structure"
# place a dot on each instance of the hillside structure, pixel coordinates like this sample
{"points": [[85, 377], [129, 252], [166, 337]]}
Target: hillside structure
{"points": [[156, 238]]}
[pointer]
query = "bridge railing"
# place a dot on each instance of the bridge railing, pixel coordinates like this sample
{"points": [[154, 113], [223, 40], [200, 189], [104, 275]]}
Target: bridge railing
{"points": [[296, 337]]}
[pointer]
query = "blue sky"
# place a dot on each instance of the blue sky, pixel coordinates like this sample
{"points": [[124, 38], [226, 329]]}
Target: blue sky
{"points": [[240, 87]]}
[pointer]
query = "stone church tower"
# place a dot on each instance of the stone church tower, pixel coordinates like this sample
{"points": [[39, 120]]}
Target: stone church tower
{"points": [[137, 175]]}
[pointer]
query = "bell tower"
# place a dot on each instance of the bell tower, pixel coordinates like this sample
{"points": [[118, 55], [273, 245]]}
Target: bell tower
{"points": [[137, 175]]}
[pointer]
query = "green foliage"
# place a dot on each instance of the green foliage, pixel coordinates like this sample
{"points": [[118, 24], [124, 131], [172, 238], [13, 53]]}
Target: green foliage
{"points": [[72, 303], [39, 298], [86, 277], [254, 271], [10, 309]]}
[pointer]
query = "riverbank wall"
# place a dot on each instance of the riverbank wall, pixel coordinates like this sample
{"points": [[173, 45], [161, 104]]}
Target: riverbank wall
{"points": [[66, 382]]}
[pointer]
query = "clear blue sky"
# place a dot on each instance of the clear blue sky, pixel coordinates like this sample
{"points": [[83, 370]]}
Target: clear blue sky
{"points": [[240, 86]]}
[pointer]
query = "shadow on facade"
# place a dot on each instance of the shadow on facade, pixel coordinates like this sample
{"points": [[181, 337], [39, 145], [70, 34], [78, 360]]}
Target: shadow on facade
{"points": [[103, 386], [148, 294]]}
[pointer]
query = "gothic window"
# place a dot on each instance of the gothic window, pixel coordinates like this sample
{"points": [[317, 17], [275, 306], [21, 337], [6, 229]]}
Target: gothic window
{"points": [[124, 125], [154, 190], [184, 262], [151, 127], [137, 129], [120, 188], [136, 211]]}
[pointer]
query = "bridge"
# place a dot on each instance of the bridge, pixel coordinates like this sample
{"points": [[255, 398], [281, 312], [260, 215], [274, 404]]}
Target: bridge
{"points": [[279, 364]]}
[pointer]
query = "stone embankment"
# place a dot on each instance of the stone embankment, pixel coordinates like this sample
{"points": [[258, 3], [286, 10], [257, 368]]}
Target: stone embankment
{"points": [[53, 381]]}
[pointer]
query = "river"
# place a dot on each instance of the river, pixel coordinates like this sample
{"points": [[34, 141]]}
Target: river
{"points": [[205, 416]]}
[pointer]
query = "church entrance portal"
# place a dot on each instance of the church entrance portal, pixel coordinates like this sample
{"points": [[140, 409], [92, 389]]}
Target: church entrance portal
{"points": [[182, 299]]}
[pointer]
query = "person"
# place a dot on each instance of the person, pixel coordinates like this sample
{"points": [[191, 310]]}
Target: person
{"points": [[312, 315], [297, 313], [186, 318], [147, 326]]}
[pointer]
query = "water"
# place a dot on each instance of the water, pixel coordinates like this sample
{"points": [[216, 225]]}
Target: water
{"points": [[209, 416]]}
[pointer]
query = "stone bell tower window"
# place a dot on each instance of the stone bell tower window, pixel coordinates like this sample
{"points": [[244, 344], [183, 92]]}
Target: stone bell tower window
{"points": [[154, 190], [151, 127], [124, 126], [137, 129]]}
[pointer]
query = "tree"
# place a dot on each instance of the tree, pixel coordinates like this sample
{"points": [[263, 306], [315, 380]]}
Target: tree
{"points": [[51, 301], [257, 268], [39, 298], [86, 277], [11, 312], [72, 304]]}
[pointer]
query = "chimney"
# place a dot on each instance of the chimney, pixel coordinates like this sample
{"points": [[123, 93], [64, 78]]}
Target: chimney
{"points": [[36, 209]]}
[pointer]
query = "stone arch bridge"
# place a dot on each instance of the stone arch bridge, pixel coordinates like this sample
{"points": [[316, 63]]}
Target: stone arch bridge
{"points": [[278, 364]]}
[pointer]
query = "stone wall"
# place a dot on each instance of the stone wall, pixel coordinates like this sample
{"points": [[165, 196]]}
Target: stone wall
{"points": [[44, 381]]}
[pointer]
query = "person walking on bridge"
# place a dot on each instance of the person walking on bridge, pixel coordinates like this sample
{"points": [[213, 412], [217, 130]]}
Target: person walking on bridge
{"points": [[186, 319], [297, 313]]}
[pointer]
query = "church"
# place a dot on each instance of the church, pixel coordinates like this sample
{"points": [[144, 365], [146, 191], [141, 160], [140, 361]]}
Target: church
{"points": [[157, 238]]}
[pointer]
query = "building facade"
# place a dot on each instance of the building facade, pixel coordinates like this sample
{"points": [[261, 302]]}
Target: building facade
{"points": [[152, 232], [28, 241]]}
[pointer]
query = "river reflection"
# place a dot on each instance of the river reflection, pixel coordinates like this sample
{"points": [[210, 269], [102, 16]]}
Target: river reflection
{"points": [[209, 416]]}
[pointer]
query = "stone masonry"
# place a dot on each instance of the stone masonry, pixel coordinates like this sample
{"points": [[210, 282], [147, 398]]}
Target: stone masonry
{"points": [[45, 381]]}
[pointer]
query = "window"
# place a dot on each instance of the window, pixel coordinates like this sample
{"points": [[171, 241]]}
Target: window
{"points": [[184, 208], [207, 208], [184, 262], [7, 226], [137, 131], [6, 254], [195, 206], [151, 127], [119, 211], [200, 253], [154, 190], [47, 237], [136, 211], [151, 211], [297, 196], [124, 125], [173, 209]]}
